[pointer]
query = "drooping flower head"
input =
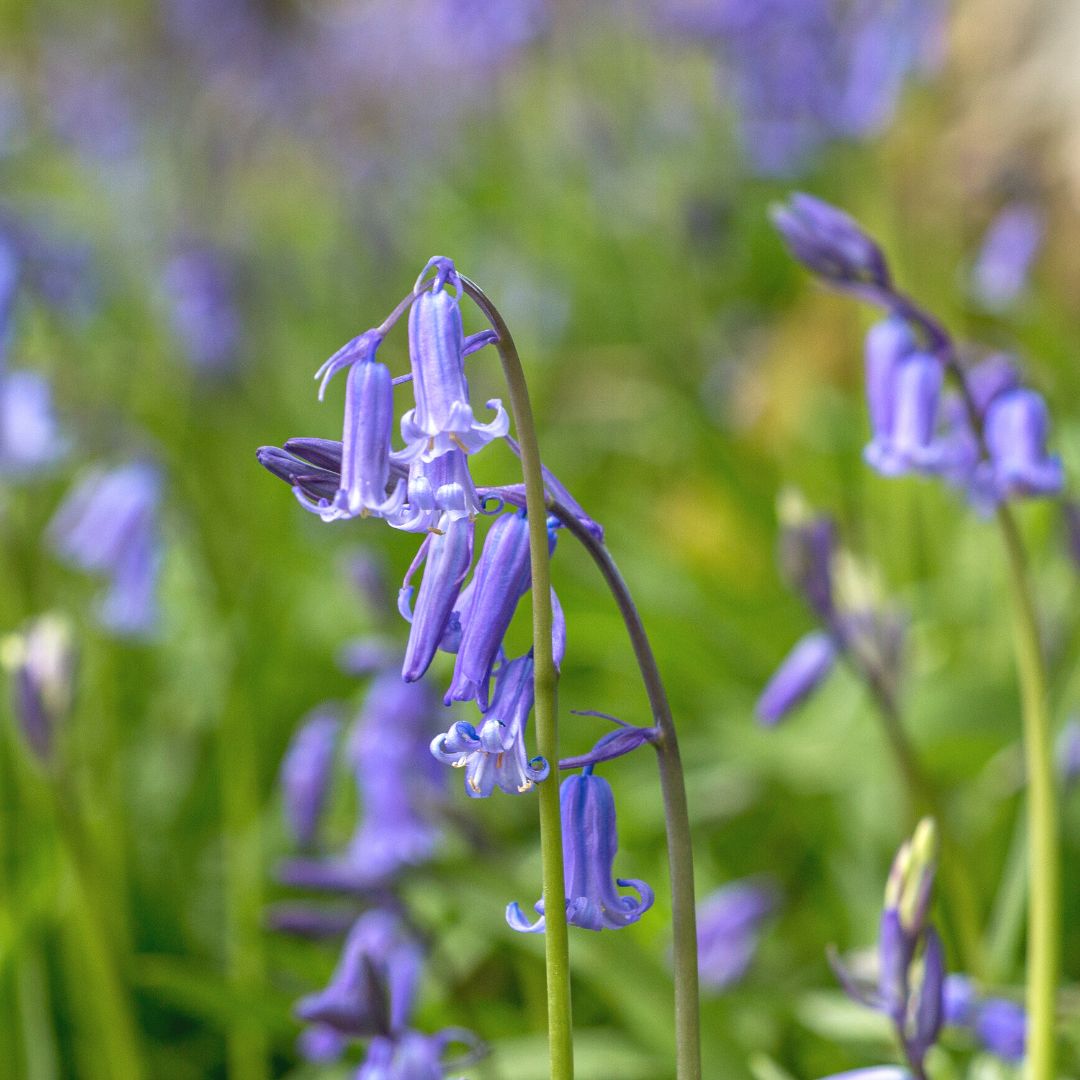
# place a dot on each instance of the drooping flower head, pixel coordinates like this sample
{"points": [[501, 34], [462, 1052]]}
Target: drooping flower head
{"points": [[443, 417], [1017, 423], [495, 755], [108, 525], [729, 921], [41, 663], [589, 845]]}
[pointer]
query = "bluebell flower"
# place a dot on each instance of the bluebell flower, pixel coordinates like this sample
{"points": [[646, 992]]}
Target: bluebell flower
{"points": [[1010, 246], [306, 772], [30, 436], [495, 756], [373, 988], [589, 846], [437, 488], [108, 525], [443, 417], [1017, 424], [321, 1044], [729, 920], [309, 482], [447, 555], [959, 1001], [414, 1056], [501, 578], [625, 739], [909, 403], [1001, 1026], [40, 660], [802, 671], [199, 288]]}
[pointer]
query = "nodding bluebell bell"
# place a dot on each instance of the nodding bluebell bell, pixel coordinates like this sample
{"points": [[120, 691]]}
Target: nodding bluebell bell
{"points": [[495, 756], [373, 988], [306, 772], [589, 845], [40, 660], [108, 524], [501, 578], [30, 435], [398, 786], [1011, 244], [998, 1024], [1016, 429], [447, 556], [910, 988], [368, 486], [415, 1056], [729, 921], [830, 243], [443, 417], [199, 290], [438, 488], [802, 671]]}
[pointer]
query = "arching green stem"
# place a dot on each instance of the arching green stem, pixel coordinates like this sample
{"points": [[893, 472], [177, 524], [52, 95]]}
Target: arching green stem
{"points": [[556, 943]]}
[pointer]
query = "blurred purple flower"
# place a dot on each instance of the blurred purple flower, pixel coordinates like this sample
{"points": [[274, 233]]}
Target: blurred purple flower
{"points": [[321, 1044], [910, 402], [414, 1056], [30, 437], [802, 671], [108, 524], [589, 847], [373, 988], [1009, 247], [40, 660], [1001, 1026], [1017, 424], [199, 289], [306, 772], [728, 923]]}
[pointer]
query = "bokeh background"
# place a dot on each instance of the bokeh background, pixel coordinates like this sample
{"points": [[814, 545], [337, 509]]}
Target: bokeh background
{"points": [[203, 199]]}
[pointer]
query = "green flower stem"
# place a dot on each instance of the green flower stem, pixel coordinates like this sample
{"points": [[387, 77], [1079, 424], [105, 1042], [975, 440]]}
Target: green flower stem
{"points": [[556, 941], [676, 813], [1044, 850]]}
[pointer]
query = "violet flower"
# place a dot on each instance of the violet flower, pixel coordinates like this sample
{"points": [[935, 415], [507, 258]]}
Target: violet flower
{"points": [[373, 988], [321, 1044], [1016, 430], [589, 846], [306, 772], [909, 403], [200, 294], [438, 488], [495, 755], [802, 671], [414, 1056], [108, 525], [40, 660], [999, 1025], [443, 417], [447, 556], [30, 437], [729, 920], [879, 1072], [1009, 247]]}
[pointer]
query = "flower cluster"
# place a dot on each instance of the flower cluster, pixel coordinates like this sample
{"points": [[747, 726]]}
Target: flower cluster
{"points": [[844, 599], [911, 963], [987, 437]]}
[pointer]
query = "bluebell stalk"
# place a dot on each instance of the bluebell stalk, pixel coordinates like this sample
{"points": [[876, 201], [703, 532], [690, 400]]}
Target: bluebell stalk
{"points": [[729, 921], [373, 987], [589, 847], [911, 961], [108, 525], [306, 772], [495, 756], [40, 660], [443, 417]]}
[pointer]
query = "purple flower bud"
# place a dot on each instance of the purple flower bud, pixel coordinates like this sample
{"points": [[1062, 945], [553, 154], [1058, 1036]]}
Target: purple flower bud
{"points": [[803, 670], [41, 663], [108, 525], [306, 772], [589, 846], [316, 485], [728, 923], [448, 556], [830, 243], [958, 1001], [30, 438], [1016, 430], [929, 1011], [199, 288], [1009, 248], [896, 949], [443, 417], [496, 756], [501, 578], [910, 402], [374, 984], [1001, 1026], [615, 744]]}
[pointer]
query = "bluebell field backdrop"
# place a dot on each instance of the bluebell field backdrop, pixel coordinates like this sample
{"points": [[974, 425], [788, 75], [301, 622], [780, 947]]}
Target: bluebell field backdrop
{"points": [[201, 200]]}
